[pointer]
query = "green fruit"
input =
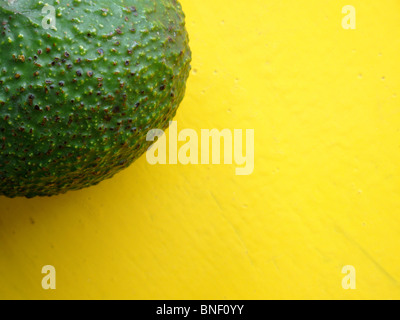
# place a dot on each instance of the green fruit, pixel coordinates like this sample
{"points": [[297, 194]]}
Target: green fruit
{"points": [[78, 99]]}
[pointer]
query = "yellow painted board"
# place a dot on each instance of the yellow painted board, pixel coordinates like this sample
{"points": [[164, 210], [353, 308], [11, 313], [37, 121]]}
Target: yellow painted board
{"points": [[325, 192]]}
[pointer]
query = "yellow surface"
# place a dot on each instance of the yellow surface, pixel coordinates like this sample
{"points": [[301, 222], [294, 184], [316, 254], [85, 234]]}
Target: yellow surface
{"points": [[325, 193]]}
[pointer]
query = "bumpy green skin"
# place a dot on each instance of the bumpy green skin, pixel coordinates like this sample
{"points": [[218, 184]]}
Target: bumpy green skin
{"points": [[76, 102]]}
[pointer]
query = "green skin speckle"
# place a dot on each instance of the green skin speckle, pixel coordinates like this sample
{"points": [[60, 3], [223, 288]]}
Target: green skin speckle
{"points": [[77, 101]]}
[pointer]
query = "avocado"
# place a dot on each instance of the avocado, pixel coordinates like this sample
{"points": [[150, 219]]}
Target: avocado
{"points": [[79, 93]]}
